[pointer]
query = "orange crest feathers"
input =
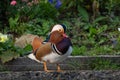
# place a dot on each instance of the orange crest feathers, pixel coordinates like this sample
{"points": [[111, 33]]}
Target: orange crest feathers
{"points": [[56, 37]]}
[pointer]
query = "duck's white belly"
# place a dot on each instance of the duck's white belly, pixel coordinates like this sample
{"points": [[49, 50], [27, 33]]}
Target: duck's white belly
{"points": [[56, 58]]}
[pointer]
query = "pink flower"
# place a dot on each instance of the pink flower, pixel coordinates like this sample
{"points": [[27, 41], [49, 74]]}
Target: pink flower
{"points": [[13, 3]]}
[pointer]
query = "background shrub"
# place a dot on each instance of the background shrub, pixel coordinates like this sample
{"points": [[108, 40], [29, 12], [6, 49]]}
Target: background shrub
{"points": [[91, 24]]}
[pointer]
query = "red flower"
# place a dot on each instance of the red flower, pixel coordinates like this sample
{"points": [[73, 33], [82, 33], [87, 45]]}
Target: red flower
{"points": [[13, 3]]}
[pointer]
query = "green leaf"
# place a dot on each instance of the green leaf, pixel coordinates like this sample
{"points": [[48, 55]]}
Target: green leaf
{"points": [[28, 47], [99, 19], [8, 55], [92, 31], [83, 13], [25, 51]]}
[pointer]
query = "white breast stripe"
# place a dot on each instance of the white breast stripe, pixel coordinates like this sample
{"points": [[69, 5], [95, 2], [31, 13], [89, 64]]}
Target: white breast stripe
{"points": [[54, 48]]}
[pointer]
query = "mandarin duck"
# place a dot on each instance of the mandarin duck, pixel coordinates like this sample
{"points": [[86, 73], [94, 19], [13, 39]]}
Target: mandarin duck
{"points": [[57, 49], [36, 43]]}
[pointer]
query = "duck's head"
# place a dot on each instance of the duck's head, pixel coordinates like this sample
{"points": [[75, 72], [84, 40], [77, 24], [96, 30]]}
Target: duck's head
{"points": [[56, 37], [59, 27]]}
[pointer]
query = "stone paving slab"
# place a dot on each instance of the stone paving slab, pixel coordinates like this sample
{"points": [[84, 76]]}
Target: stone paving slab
{"points": [[26, 64], [67, 75]]}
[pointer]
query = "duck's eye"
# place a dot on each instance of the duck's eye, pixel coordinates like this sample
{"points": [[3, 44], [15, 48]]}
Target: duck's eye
{"points": [[60, 30]]}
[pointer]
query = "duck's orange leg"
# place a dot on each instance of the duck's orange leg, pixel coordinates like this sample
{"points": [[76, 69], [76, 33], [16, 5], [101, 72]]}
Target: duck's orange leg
{"points": [[45, 67], [58, 68]]}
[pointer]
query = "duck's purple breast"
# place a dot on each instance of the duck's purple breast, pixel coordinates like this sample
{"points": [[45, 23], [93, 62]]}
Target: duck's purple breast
{"points": [[63, 45]]}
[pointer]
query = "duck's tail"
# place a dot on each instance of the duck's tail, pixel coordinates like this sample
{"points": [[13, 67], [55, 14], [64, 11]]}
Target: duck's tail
{"points": [[32, 56]]}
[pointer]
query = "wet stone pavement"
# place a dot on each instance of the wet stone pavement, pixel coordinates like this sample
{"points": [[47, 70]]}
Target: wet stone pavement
{"points": [[66, 75]]}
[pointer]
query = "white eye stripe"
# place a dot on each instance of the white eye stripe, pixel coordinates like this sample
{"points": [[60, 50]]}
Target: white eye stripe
{"points": [[57, 27]]}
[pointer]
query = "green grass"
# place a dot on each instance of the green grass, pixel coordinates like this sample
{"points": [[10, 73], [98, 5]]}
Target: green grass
{"points": [[97, 64], [98, 50], [100, 64]]}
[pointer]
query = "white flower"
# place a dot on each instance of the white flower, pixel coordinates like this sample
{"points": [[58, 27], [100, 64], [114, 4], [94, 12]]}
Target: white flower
{"points": [[118, 29], [3, 38]]}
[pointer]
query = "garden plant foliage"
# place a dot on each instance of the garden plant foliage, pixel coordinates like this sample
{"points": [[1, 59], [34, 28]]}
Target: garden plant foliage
{"points": [[91, 24]]}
